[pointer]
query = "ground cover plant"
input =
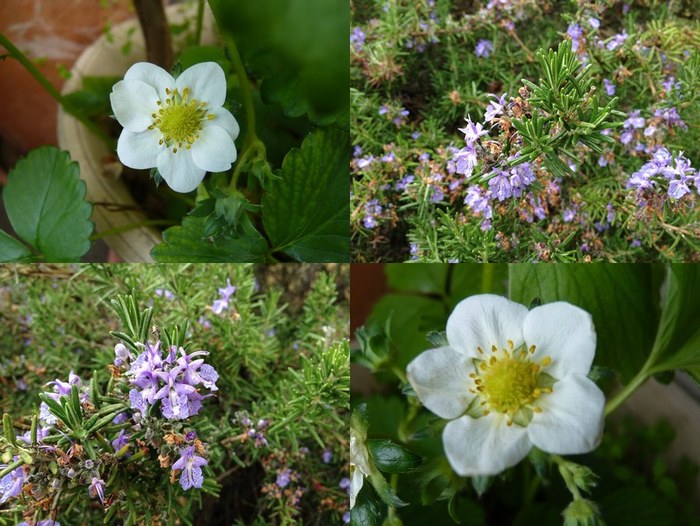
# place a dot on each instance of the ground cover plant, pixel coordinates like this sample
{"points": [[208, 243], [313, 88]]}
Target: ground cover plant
{"points": [[525, 131], [170, 394], [494, 394], [238, 150]]}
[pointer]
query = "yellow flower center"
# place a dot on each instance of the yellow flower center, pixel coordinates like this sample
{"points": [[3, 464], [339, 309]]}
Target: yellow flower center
{"points": [[179, 119], [509, 382]]}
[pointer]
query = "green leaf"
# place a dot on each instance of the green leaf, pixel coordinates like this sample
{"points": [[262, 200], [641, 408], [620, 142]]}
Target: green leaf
{"points": [[392, 458], [197, 54], [411, 318], [369, 510], [677, 344], [306, 209], [621, 298], [93, 98], [188, 243], [12, 250], [45, 202], [307, 71], [423, 278]]}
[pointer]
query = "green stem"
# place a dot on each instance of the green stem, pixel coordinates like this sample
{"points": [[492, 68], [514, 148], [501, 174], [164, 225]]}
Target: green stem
{"points": [[131, 226], [11, 467], [566, 475], [627, 390], [198, 26], [246, 92], [51, 90], [487, 277]]}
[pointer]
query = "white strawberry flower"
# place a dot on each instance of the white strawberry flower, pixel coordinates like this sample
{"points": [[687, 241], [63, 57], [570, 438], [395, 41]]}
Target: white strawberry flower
{"points": [[178, 126], [511, 379]]}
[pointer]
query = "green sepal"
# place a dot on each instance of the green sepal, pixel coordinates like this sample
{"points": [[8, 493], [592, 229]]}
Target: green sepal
{"points": [[475, 409], [438, 338], [481, 483], [545, 380], [523, 416]]}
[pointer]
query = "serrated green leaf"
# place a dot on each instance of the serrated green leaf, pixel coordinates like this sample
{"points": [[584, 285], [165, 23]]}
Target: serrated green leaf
{"points": [[188, 243], [45, 202], [12, 249], [392, 458], [621, 299], [306, 210]]}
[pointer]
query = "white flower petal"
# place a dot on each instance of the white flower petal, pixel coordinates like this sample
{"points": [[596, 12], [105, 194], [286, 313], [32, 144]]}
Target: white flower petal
{"points": [[571, 421], [214, 151], [224, 119], [139, 150], [153, 76], [179, 171], [356, 481], [440, 379], [563, 332], [206, 82], [484, 446], [485, 320], [133, 103]]}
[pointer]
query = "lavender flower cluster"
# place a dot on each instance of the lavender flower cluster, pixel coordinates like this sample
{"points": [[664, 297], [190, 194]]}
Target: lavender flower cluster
{"points": [[172, 378], [675, 174], [503, 182]]}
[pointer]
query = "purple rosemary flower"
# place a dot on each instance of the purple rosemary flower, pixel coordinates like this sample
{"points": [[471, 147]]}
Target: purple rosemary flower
{"points": [[357, 39], [609, 87], [403, 183], [191, 466], [121, 440], [594, 22], [483, 48], [372, 210], [478, 201], [500, 185], [165, 293], [495, 107], [122, 355], [283, 478], [97, 489], [11, 484], [576, 34], [521, 177], [172, 380], [634, 120], [472, 131], [327, 456], [616, 41], [465, 160]]}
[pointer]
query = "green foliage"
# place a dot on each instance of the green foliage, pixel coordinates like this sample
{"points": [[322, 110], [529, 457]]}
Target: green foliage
{"points": [[571, 112], [305, 210], [92, 100], [621, 298], [415, 77], [646, 321], [304, 72], [45, 202], [278, 354]]}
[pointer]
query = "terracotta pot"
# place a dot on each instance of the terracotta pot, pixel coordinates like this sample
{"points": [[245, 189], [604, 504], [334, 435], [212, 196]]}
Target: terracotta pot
{"points": [[56, 33], [107, 59]]}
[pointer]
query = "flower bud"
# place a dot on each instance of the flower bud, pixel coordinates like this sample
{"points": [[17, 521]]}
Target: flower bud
{"points": [[582, 512]]}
